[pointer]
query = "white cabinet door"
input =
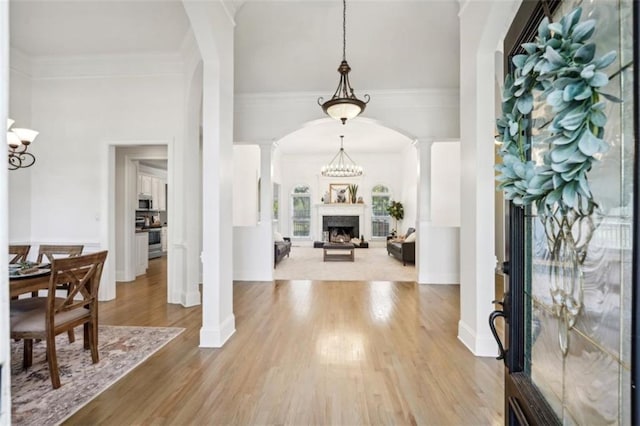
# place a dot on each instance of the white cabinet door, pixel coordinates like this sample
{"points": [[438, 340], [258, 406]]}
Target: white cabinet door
{"points": [[146, 184], [161, 203], [155, 192], [142, 253], [163, 239]]}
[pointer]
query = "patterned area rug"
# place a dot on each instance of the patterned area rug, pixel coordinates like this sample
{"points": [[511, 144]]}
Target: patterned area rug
{"points": [[121, 349]]}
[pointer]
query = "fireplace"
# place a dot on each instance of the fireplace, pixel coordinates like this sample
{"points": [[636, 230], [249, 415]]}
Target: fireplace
{"points": [[341, 228]]}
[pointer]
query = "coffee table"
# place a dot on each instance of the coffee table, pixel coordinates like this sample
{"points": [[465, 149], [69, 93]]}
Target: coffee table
{"points": [[338, 252]]}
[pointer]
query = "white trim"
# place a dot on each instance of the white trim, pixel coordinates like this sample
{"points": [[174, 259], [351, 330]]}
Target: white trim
{"points": [[5, 352], [479, 345], [217, 337], [108, 211]]}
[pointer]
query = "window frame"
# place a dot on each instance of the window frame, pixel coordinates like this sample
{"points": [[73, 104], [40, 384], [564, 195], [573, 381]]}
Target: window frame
{"points": [[386, 217], [292, 217]]}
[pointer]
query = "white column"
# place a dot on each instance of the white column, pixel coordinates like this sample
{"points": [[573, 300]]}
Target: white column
{"points": [[423, 148], [5, 353], [213, 29], [482, 27], [264, 235]]}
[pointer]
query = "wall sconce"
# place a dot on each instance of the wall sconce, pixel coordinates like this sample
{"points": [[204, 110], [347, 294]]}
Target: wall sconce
{"points": [[19, 141]]}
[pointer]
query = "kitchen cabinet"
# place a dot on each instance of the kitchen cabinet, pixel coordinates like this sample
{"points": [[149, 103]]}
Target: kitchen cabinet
{"points": [[159, 195], [145, 184], [142, 252], [155, 187], [163, 239]]}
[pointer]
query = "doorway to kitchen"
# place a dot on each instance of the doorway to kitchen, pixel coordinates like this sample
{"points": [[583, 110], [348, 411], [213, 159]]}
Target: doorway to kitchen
{"points": [[137, 172]]}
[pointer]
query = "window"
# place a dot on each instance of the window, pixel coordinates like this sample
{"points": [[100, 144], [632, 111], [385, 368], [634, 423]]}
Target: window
{"points": [[301, 211], [380, 218]]}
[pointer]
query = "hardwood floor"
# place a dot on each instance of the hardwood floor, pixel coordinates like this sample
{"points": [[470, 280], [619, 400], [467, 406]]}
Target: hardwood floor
{"points": [[304, 352]]}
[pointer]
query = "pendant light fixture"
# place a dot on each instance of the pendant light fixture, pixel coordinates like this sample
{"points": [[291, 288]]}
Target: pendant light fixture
{"points": [[341, 165], [343, 104]]}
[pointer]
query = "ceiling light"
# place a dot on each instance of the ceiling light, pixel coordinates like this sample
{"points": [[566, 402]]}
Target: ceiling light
{"points": [[19, 141], [341, 165], [343, 104]]}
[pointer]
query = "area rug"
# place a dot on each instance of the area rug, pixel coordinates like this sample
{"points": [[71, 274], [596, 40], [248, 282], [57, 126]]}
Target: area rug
{"points": [[370, 264], [121, 349]]}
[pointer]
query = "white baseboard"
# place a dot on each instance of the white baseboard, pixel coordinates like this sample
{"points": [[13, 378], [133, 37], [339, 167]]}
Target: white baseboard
{"points": [[191, 298], [440, 279], [215, 337], [478, 345], [252, 275]]}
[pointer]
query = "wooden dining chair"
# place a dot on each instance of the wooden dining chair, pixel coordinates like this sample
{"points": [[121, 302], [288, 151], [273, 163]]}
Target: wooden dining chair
{"points": [[45, 317], [19, 252], [49, 252]]}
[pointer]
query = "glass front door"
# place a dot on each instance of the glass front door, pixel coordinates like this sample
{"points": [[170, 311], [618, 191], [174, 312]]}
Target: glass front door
{"points": [[570, 292]]}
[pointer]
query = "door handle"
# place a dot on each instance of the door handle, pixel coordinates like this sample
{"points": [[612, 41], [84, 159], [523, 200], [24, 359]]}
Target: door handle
{"points": [[492, 319]]}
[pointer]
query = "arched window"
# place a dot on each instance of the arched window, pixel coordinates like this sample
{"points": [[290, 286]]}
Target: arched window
{"points": [[380, 219], [301, 211]]}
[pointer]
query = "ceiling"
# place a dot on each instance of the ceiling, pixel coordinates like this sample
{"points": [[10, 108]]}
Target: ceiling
{"points": [[155, 164], [102, 27], [280, 46]]}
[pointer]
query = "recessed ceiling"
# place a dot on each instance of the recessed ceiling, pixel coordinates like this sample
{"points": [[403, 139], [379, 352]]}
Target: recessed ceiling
{"points": [[106, 27], [360, 136]]}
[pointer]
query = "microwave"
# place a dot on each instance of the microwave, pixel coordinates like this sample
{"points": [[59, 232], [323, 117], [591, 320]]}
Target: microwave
{"points": [[145, 203]]}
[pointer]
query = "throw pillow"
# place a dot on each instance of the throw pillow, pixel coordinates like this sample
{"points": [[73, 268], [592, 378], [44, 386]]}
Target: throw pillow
{"points": [[355, 241], [277, 237], [411, 238]]}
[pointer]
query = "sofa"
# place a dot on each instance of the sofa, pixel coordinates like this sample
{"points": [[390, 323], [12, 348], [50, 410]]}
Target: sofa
{"points": [[401, 249], [281, 249]]}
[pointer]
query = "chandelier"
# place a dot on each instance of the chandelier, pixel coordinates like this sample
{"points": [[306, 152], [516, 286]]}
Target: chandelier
{"points": [[19, 141], [343, 104], [341, 165]]}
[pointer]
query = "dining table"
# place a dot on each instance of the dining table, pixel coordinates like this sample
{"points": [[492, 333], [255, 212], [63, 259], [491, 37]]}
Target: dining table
{"points": [[21, 284]]}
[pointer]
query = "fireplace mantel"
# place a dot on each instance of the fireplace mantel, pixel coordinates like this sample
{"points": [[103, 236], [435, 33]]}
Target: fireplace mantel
{"points": [[339, 209]]}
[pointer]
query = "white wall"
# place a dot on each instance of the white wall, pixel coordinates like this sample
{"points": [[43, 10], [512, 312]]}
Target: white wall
{"points": [[482, 28], [20, 180], [246, 171], [439, 235], [428, 113], [305, 169], [80, 107], [409, 188], [5, 351], [75, 117], [445, 184]]}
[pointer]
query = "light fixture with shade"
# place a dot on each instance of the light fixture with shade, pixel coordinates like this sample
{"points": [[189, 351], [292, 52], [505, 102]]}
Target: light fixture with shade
{"points": [[19, 140], [341, 165], [344, 104]]}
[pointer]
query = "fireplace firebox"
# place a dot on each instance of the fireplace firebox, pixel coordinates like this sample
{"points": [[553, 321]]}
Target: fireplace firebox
{"points": [[341, 228]]}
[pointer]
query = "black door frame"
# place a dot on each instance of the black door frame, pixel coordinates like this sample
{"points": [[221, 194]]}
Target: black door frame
{"points": [[524, 404], [635, 314]]}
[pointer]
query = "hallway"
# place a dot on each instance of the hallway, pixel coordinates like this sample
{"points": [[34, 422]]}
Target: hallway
{"points": [[305, 352]]}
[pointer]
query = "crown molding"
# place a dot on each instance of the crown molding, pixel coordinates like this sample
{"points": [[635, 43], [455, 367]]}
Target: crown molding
{"points": [[441, 97]]}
